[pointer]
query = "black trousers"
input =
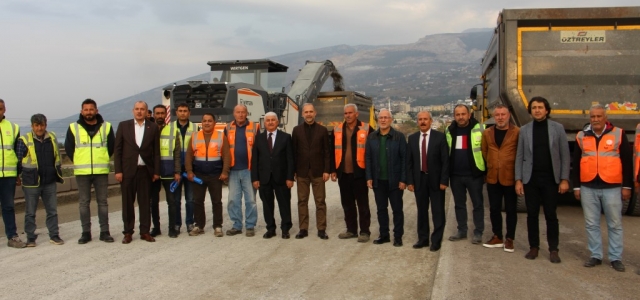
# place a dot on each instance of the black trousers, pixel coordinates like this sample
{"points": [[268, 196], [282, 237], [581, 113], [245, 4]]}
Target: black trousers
{"points": [[542, 189], [354, 196], [139, 186], [496, 193], [171, 204], [425, 195], [156, 186], [384, 195], [283, 196], [214, 184]]}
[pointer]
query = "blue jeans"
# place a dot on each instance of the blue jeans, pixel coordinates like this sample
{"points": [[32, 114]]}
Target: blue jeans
{"points": [[611, 202], [48, 192], [240, 184], [459, 187], [100, 183], [7, 194], [188, 205]]}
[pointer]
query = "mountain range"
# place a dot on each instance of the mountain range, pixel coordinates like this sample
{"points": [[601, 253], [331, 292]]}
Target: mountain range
{"points": [[435, 69]]}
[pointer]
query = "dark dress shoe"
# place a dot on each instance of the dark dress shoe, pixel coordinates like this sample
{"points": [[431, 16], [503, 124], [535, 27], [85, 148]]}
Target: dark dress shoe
{"points": [[532, 254], [155, 232], [381, 240], [434, 248], [397, 242], [147, 237], [323, 235], [421, 244], [173, 234], [127, 238], [269, 234], [105, 236], [285, 235], [85, 238], [554, 257], [302, 234]]}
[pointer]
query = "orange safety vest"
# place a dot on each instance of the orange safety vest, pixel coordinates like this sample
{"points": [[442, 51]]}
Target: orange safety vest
{"points": [[361, 140], [251, 131], [636, 154], [200, 150], [605, 160]]}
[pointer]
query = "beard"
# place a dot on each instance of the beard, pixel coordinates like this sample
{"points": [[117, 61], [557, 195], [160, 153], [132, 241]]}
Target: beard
{"points": [[89, 118]]}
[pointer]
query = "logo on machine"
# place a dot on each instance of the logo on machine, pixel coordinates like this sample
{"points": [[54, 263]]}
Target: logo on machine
{"points": [[239, 68], [583, 37]]}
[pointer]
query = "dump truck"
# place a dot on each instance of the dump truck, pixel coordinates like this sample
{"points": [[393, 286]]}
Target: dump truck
{"points": [[259, 84], [573, 57]]}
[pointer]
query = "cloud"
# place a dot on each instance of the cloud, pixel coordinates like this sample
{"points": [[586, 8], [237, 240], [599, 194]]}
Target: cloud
{"points": [[56, 53]]}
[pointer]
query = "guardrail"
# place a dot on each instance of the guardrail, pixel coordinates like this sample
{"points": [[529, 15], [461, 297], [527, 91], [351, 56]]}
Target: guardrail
{"points": [[69, 185]]}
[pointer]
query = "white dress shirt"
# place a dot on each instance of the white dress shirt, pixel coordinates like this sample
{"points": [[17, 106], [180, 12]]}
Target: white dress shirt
{"points": [[139, 135]]}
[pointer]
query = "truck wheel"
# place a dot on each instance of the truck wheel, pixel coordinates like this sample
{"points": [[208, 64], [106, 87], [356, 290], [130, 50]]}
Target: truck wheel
{"points": [[625, 206], [634, 206], [522, 205]]}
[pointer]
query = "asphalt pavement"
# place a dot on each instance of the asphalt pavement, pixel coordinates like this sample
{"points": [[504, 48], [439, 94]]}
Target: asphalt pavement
{"points": [[240, 267]]}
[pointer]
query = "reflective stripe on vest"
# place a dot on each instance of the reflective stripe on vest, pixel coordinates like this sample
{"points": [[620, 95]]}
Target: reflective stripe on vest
{"points": [[250, 132], [30, 161], [603, 160], [636, 153], [168, 137], [7, 142], [203, 153], [361, 140], [476, 144], [187, 136], [91, 155]]}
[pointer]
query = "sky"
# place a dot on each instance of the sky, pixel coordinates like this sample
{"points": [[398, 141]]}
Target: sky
{"points": [[55, 54]]}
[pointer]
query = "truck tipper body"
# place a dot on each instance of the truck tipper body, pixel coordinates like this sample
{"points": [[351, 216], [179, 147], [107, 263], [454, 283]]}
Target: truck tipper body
{"points": [[573, 57]]}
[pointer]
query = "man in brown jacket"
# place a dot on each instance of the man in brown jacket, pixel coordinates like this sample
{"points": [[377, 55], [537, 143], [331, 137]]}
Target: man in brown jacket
{"points": [[499, 147], [311, 159]]}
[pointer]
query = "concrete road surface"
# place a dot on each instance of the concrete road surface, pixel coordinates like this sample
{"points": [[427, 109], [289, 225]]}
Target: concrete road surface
{"points": [[239, 267], [231, 267]]}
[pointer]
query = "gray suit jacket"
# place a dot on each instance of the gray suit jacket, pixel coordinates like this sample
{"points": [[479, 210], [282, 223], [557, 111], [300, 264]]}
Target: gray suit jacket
{"points": [[560, 157]]}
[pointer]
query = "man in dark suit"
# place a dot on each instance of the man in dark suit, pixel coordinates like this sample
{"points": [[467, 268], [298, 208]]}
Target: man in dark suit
{"points": [[136, 162], [311, 153], [273, 172], [428, 177]]}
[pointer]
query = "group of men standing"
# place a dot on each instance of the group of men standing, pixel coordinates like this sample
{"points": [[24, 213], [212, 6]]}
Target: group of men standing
{"points": [[532, 160], [535, 161]]}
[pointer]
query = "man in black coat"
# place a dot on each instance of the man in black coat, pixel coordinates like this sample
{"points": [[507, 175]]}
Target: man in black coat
{"points": [[428, 177], [272, 158]]}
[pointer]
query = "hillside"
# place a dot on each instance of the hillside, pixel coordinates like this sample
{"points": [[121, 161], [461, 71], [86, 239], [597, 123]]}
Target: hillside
{"points": [[435, 69]]}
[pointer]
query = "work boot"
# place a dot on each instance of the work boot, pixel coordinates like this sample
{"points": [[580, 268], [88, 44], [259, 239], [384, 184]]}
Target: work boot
{"points": [[458, 237], [105, 236], [363, 238], [617, 265], [592, 262], [16, 242], [347, 235], [85, 238]]}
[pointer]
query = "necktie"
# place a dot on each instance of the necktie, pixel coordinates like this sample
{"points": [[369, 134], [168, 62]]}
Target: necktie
{"points": [[424, 152], [270, 141]]}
